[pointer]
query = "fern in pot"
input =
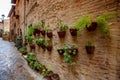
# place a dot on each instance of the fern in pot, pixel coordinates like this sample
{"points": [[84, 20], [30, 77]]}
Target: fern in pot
{"points": [[101, 22]]}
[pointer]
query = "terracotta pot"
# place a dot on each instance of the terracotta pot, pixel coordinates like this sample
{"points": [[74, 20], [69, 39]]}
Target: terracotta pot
{"points": [[42, 46], [32, 46], [73, 32], [55, 77], [36, 31], [61, 51], [43, 32], [49, 48], [74, 49], [48, 76], [90, 49], [24, 53], [0, 34], [92, 27], [61, 34], [49, 34]]}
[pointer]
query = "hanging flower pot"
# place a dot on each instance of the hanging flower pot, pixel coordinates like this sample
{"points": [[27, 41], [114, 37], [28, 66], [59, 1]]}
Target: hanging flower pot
{"points": [[62, 29], [43, 46], [32, 46], [55, 77], [73, 32], [48, 76], [61, 34], [49, 48], [49, 34], [74, 51], [43, 32], [90, 48], [24, 53], [36, 31], [60, 51], [92, 27]]}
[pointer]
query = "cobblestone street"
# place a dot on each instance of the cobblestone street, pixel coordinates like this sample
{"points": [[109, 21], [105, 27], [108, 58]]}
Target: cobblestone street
{"points": [[12, 64]]}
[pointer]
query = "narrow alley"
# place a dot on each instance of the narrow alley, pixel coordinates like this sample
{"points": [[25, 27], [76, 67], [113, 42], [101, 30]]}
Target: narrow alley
{"points": [[12, 64]]}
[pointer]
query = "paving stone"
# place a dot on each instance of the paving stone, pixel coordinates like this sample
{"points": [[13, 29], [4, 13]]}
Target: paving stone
{"points": [[13, 66]]}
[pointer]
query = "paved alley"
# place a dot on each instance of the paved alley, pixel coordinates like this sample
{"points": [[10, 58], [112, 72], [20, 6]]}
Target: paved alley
{"points": [[12, 64]]}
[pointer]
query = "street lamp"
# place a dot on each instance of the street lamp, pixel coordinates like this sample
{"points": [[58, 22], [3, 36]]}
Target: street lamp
{"points": [[3, 20]]}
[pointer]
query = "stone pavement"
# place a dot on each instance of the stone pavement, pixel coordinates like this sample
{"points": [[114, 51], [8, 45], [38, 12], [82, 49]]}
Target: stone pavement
{"points": [[13, 66]]}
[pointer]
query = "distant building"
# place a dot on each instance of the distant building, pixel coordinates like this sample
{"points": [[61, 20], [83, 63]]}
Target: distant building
{"points": [[1, 26], [5, 25]]}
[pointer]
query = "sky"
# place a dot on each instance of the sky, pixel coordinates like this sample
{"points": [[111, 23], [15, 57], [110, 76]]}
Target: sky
{"points": [[5, 6]]}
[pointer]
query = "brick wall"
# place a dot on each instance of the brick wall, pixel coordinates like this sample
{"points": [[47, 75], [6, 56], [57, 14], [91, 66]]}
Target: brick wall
{"points": [[103, 64]]}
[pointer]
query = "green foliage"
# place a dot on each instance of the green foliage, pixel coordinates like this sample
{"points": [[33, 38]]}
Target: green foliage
{"points": [[39, 41], [30, 30], [67, 55], [89, 43], [18, 42], [42, 24], [103, 20], [61, 26], [47, 43], [23, 49], [29, 39], [83, 22], [68, 51], [34, 64], [36, 26]]}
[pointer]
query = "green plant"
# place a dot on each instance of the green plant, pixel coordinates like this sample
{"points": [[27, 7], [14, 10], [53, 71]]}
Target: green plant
{"points": [[102, 22], [29, 39], [89, 43], [23, 49], [36, 26], [39, 41], [47, 43], [62, 26], [83, 22], [67, 54], [30, 30], [42, 24]]}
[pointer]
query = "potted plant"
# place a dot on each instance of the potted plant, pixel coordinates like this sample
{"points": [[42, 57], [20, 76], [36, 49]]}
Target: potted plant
{"points": [[48, 45], [103, 20], [30, 30], [29, 39], [23, 50], [60, 51], [40, 42], [49, 33], [55, 77], [36, 28], [85, 22], [89, 47], [73, 31], [62, 31], [48, 75], [100, 21], [68, 51], [42, 24], [32, 46]]}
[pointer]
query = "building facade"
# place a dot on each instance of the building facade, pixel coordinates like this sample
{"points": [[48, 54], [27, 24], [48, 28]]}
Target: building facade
{"points": [[104, 64]]}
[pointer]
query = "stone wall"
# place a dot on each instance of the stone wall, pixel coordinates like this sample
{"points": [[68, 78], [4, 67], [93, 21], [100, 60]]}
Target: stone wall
{"points": [[7, 25], [103, 64]]}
